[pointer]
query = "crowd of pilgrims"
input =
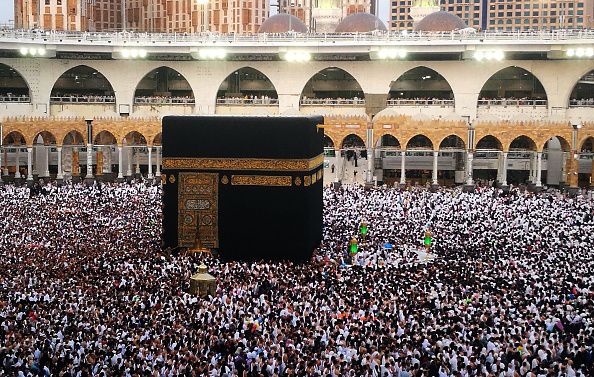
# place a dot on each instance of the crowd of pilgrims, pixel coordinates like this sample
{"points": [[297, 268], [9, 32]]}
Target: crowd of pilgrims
{"points": [[86, 291]]}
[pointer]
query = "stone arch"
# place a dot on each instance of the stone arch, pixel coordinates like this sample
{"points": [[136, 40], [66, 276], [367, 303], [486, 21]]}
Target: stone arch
{"points": [[168, 82], [247, 81], [352, 141], [105, 138], [452, 142], [419, 141], [47, 138], [389, 141], [565, 145], [134, 138], [82, 80], [418, 80], [158, 139], [522, 143], [489, 142], [14, 138], [13, 85], [73, 137], [513, 82], [582, 92], [328, 142], [323, 85]]}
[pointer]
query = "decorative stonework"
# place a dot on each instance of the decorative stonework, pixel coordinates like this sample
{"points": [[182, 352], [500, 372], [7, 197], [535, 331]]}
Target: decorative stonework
{"points": [[261, 180]]}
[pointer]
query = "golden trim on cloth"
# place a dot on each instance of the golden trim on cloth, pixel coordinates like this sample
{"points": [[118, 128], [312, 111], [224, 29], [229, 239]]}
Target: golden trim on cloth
{"points": [[261, 180], [258, 164]]}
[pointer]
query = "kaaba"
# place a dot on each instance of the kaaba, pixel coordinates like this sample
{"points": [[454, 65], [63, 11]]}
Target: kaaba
{"points": [[249, 187]]}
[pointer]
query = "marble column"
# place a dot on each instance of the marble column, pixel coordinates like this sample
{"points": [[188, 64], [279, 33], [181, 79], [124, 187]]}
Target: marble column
{"points": [[129, 164], [89, 161], [46, 172], [120, 162], [158, 157], [402, 168], [60, 174], [469, 174], [435, 158], [150, 162], [17, 173], [504, 169], [29, 164], [539, 169]]}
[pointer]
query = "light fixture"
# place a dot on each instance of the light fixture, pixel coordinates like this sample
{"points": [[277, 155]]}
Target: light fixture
{"points": [[570, 52], [25, 51], [297, 56], [392, 53], [497, 55], [212, 54], [133, 53]]}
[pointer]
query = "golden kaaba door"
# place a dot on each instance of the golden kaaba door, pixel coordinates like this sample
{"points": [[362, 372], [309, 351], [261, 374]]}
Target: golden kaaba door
{"points": [[198, 209]]}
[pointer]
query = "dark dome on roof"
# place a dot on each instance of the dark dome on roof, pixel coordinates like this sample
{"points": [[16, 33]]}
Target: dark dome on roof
{"points": [[282, 23], [441, 21], [360, 23]]}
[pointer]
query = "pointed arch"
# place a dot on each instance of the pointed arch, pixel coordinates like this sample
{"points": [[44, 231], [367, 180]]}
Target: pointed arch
{"points": [[158, 139], [559, 140], [452, 142], [352, 141], [329, 84], [44, 138], [389, 141], [419, 141], [582, 94], [105, 138], [163, 86], [134, 138], [328, 142], [14, 138], [73, 138], [421, 83], [522, 143], [513, 83], [247, 86], [489, 142], [82, 84], [13, 86]]}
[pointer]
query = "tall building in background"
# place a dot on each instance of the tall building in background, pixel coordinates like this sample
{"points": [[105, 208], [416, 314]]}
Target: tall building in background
{"points": [[159, 16], [508, 15], [69, 15]]}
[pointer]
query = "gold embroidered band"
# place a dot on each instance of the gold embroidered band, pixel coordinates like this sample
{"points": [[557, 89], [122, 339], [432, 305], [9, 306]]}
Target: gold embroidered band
{"points": [[256, 164]]}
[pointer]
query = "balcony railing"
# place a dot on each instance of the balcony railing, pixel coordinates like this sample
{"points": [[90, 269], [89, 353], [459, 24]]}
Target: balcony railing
{"points": [[164, 101], [13, 99], [333, 102], [421, 102], [117, 38], [512, 102], [586, 102], [82, 99], [247, 101]]}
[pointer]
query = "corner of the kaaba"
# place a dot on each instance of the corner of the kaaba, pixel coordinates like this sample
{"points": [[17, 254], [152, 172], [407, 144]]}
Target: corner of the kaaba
{"points": [[249, 187]]}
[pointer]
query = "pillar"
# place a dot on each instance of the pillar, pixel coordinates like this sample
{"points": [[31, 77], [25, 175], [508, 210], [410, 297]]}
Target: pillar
{"points": [[369, 173], [17, 173], [1, 167], [539, 169], [129, 164], [150, 162], [435, 157], [120, 162], [572, 170], [469, 175], [499, 177], [46, 172], [592, 174], [29, 164], [5, 168], [158, 157], [402, 167], [504, 169], [60, 173], [137, 171], [89, 161]]}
